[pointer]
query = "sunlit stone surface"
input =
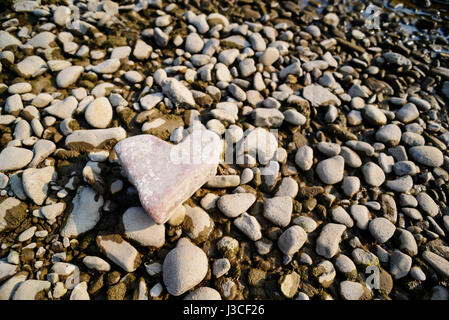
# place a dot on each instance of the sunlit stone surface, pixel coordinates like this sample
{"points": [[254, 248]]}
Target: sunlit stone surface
{"points": [[166, 175]]}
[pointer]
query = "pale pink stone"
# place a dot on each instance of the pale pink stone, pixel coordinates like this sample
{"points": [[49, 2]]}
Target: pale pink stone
{"points": [[166, 175]]}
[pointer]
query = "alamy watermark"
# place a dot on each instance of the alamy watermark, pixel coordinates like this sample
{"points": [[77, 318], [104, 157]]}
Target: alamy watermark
{"points": [[373, 279], [74, 21], [203, 146], [372, 16]]}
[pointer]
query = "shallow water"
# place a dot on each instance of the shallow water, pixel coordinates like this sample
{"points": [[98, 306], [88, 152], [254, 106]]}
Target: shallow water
{"points": [[443, 9], [412, 16]]}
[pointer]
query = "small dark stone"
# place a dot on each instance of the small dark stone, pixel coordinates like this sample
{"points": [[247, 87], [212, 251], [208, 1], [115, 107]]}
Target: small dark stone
{"points": [[113, 277], [117, 292]]}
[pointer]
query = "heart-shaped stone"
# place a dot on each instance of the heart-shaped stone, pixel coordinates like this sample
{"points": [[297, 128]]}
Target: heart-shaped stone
{"points": [[166, 175]]}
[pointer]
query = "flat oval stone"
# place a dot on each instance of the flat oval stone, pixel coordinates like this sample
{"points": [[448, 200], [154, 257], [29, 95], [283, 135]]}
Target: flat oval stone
{"points": [[68, 76], [346, 266], [7, 39], [63, 109], [94, 137], [270, 117], [340, 215], [437, 262], [381, 229], [232, 205], [278, 210], [288, 187], [107, 66], [99, 113], [203, 293], [350, 185], [427, 204], [249, 226], [389, 134], [360, 214], [320, 96], [351, 290], [407, 113], [177, 92], [35, 183], [21, 87], [31, 66], [400, 264], [96, 263], [427, 155], [352, 159], [151, 100], [258, 143], [85, 213], [183, 268], [329, 149], [8, 287], [14, 158], [373, 115], [294, 117], [304, 158], [327, 244], [331, 170], [373, 174], [228, 181], [30, 289], [197, 224], [42, 40], [7, 270], [401, 184], [79, 292], [142, 229], [119, 251], [269, 56], [291, 240]]}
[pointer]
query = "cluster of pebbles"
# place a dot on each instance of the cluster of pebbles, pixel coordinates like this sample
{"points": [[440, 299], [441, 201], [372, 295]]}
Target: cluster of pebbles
{"points": [[347, 200]]}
